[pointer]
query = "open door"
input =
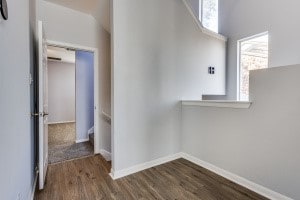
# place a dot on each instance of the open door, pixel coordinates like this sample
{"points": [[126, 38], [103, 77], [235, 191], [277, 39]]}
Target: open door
{"points": [[43, 106]]}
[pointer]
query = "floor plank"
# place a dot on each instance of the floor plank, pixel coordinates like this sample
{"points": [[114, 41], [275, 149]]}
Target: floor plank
{"points": [[88, 179]]}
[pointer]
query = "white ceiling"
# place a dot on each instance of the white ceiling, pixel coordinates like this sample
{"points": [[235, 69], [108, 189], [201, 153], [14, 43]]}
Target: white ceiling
{"points": [[99, 9]]}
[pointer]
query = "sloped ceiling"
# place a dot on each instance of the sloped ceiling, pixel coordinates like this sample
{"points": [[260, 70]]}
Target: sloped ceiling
{"points": [[99, 9]]}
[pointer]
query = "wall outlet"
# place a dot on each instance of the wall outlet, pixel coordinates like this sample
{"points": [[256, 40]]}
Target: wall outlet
{"points": [[211, 70]]}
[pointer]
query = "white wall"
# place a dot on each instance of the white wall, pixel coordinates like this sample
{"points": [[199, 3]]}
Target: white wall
{"points": [[195, 52], [195, 4], [61, 87], [82, 29], [84, 93], [66, 25], [159, 57], [17, 139], [240, 19], [260, 144]]}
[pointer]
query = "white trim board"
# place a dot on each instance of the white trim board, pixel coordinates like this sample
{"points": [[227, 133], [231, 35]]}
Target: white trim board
{"points": [[82, 140], [219, 104], [221, 172], [140, 167], [106, 155]]}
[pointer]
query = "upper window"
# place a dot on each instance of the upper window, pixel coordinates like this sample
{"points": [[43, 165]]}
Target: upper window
{"points": [[209, 14], [253, 54]]}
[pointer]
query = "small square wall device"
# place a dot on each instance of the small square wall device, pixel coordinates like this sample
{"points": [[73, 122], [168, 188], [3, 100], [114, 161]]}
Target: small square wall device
{"points": [[211, 70]]}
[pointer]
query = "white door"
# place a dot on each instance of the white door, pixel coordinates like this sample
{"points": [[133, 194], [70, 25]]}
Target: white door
{"points": [[43, 106]]}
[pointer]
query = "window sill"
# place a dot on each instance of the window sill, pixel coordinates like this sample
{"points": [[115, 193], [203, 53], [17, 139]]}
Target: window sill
{"points": [[219, 104]]}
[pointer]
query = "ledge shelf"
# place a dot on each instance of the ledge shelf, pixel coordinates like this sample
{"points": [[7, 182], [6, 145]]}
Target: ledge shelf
{"points": [[218, 104]]}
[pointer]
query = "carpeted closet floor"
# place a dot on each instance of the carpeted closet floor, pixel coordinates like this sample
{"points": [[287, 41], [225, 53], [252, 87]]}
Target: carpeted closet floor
{"points": [[62, 146], [69, 151]]}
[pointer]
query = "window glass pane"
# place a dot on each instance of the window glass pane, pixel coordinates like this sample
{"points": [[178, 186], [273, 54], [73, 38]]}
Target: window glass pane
{"points": [[210, 14], [253, 55]]}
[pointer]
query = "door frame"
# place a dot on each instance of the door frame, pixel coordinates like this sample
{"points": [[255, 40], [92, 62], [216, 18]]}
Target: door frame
{"points": [[96, 86]]}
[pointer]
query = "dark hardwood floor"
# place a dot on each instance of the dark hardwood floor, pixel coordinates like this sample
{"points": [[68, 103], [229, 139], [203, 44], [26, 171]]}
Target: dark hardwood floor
{"points": [[88, 179]]}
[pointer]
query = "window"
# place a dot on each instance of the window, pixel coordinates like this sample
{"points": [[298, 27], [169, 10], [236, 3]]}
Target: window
{"points": [[209, 14], [253, 54]]}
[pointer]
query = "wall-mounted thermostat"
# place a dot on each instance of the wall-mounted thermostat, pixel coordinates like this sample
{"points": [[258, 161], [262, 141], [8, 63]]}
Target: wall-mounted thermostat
{"points": [[3, 9], [211, 70]]}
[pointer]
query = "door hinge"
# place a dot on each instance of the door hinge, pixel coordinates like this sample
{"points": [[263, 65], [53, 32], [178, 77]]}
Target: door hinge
{"points": [[30, 79], [35, 114], [40, 114]]}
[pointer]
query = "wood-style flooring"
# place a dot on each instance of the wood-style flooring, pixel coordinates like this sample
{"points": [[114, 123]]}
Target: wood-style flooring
{"points": [[88, 179]]}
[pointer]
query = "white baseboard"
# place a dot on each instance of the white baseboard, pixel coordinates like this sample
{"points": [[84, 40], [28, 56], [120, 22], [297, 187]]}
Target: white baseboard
{"points": [[236, 179], [137, 168], [221, 172], [82, 140], [106, 155]]}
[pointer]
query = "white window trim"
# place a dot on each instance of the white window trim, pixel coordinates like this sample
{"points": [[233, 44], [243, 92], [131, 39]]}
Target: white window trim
{"points": [[239, 60]]}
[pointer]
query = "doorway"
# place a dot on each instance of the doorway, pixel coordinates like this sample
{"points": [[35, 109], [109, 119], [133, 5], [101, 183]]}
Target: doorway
{"points": [[72, 105]]}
